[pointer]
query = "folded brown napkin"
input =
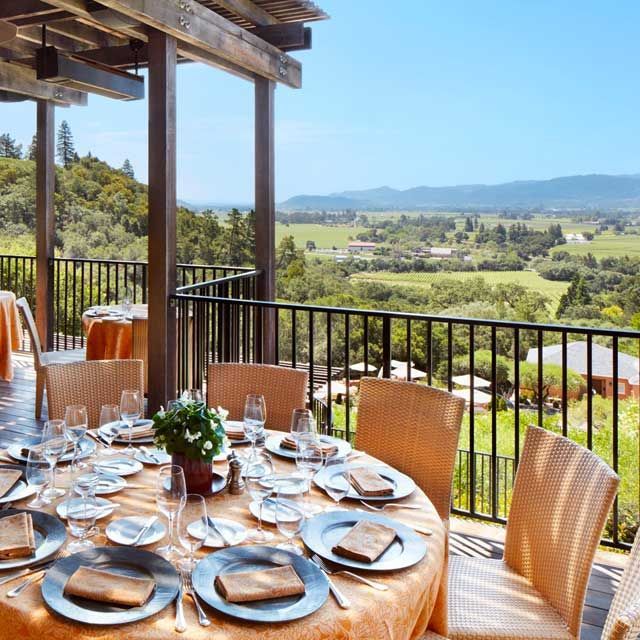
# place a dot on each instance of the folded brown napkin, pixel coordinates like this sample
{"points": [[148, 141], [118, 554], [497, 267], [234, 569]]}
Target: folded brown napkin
{"points": [[16, 536], [68, 446], [234, 431], [369, 483], [365, 542], [143, 431], [8, 477], [267, 584], [326, 448], [104, 586]]}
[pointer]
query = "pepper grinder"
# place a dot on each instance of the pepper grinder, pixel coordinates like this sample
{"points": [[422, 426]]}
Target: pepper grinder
{"points": [[235, 483]]}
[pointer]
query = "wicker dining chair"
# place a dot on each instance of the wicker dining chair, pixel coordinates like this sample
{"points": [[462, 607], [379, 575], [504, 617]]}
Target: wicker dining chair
{"points": [[561, 498], [42, 359], [415, 429], [623, 619], [92, 384], [284, 389]]}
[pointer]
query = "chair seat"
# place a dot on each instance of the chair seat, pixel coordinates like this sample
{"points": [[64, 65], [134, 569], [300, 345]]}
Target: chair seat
{"points": [[488, 599], [62, 357]]}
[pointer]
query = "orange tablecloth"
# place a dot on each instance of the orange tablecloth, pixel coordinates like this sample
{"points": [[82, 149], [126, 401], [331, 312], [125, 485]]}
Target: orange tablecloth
{"points": [[401, 613], [10, 330], [110, 339]]}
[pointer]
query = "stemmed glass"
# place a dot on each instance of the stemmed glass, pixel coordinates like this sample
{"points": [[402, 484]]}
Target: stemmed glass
{"points": [[308, 461], [192, 394], [37, 476], [82, 511], [290, 514], [338, 480], [126, 302], [170, 497], [302, 422], [75, 418], [130, 409], [192, 528], [109, 426], [54, 444], [260, 484], [255, 415]]}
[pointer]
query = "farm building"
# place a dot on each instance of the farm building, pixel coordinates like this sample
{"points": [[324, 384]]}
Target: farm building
{"points": [[359, 247], [442, 252], [575, 238], [601, 367]]}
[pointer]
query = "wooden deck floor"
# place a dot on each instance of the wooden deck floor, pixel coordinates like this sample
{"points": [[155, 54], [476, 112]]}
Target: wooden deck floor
{"points": [[467, 537]]}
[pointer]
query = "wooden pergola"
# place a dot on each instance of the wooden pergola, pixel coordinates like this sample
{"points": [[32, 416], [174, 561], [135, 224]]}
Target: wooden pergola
{"points": [[57, 51]]}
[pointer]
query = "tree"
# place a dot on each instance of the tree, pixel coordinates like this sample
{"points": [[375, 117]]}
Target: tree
{"points": [[127, 169], [577, 295], [311, 245], [551, 380], [65, 147], [33, 148], [468, 224], [9, 148]]}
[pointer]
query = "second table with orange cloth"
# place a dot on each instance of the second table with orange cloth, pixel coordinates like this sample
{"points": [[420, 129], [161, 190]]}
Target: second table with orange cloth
{"points": [[110, 337], [10, 332]]}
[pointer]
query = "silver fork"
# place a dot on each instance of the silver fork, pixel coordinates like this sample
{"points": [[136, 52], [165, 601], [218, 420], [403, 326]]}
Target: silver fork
{"points": [[188, 587], [389, 505], [354, 576], [33, 577]]}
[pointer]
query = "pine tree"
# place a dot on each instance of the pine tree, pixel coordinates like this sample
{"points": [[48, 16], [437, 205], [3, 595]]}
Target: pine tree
{"points": [[468, 225], [577, 295], [65, 147], [127, 169], [9, 148], [33, 148]]}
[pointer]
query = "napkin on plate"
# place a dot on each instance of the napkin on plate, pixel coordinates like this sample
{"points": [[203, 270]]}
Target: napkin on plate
{"points": [[16, 536], [139, 431], [68, 446], [234, 430], [326, 448], [266, 584], [365, 542], [369, 483], [113, 588], [8, 477]]}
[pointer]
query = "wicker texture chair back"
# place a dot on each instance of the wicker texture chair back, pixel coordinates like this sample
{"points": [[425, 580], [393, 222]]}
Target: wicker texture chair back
{"points": [[139, 345], [415, 429], [284, 390], [561, 498], [27, 317], [91, 383], [623, 620]]}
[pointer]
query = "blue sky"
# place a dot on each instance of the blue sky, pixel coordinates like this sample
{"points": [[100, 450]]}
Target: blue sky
{"points": [[405, 93]]}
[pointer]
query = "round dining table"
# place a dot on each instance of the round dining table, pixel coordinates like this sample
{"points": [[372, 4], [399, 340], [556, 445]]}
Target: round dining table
{"points": [[10, 333], [109, 337], [402, 612]]}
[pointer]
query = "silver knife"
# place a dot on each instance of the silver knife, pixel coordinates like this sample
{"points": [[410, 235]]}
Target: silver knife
{"points": [[218, 530], [180, 624], [23, 573], [143, 532], [341, 599]]}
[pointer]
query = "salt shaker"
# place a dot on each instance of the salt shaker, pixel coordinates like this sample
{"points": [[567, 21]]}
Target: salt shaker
{"points": [[235, 483]]}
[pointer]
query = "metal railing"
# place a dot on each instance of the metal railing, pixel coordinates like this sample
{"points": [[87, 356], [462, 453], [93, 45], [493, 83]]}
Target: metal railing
{"points": [[327, 341]]}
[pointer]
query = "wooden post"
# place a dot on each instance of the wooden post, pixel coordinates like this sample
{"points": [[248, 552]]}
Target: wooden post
{"points": [[265, 206], [45, 220], [162, 219]]}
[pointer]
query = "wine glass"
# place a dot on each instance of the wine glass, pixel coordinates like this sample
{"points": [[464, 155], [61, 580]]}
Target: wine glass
{"points": [[192, 394], [338, 480], [130, 409], [126, 302], [255, 415], [75, 418], [193, 528], [308, 461], [260, 486], [54, 444], [109, 426], [170, 497], [290, 513], [37, 476], [302, 422], [82, 511]]}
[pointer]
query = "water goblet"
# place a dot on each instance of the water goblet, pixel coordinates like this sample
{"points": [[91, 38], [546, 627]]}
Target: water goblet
{"points": [[192, 394], [54, 444], [290, 513], [255, 415], [76, 421], [109, 426], [81, 517], [308, 462], [37, 476], [302, 422], [170, 497], [260, 485], [192, 528], [126, 302], [130, 410]]}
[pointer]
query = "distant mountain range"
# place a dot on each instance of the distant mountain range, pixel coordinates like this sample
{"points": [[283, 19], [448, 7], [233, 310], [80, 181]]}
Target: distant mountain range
{"points": [[571, 192]]}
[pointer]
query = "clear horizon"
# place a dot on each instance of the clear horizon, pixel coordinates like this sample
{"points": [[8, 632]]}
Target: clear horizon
{"points": [[423, 94]]}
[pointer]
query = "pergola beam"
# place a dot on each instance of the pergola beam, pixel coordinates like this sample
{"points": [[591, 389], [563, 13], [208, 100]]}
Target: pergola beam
{"points": [[19, 79], [249, 11]]}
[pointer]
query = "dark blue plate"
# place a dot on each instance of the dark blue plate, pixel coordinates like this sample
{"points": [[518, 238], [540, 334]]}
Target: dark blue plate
{"points": [[237, 559], [324, 531], [124, 560], [273, 445]]}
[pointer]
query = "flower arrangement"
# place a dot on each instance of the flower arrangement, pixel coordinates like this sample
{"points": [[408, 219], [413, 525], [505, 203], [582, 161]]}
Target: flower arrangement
{"points": [[190, 428]]}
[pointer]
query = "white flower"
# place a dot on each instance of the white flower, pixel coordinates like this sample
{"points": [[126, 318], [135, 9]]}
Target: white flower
{"points": [[223, 413], [207, 445], [191, 437]]}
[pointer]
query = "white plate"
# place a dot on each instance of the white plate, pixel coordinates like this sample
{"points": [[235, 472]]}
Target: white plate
{"points": [[109, 483], [19, 490], [117, 465], [268, 510], [61, 509], [235, 532], [162, 456], [124, 531]]}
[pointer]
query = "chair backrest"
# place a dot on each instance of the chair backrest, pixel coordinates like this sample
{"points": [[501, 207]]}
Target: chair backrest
{"points": [[91, 383], [284, 389], [623, 619], [139, 344], [561, 498], [27, 317], [415, 429]]}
